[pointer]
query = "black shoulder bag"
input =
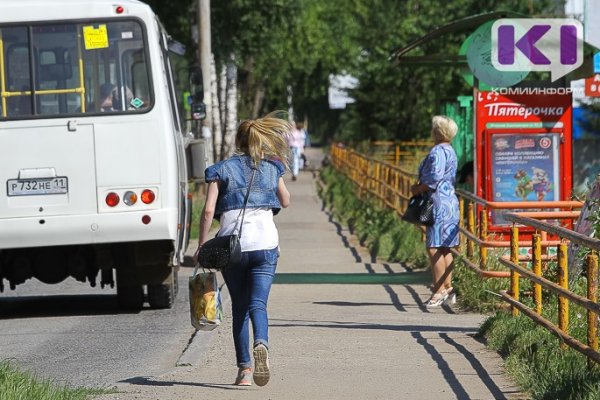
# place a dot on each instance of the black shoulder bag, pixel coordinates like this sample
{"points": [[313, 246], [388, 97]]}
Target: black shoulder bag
{"points": [[223, 252], [420, 209]]}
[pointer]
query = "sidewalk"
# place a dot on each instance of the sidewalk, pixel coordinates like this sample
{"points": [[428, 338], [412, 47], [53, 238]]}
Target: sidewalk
{"points": [[341, 327]]}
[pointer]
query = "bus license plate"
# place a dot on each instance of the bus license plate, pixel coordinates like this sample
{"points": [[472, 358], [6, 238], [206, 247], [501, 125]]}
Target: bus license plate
{"points": [[37, 186]]}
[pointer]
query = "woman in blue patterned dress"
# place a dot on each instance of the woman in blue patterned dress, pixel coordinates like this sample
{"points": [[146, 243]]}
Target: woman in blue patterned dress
{"points": [[437, 173]]}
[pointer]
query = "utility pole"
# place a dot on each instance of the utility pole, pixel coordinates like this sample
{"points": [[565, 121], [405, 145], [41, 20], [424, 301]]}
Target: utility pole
{"points": [[204, 53]]}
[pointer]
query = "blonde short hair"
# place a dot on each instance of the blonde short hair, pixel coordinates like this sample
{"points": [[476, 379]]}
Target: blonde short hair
{"points": [[443, 128]]}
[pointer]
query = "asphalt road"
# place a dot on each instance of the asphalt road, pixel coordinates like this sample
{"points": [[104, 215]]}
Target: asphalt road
{"points": [[75, 334]]}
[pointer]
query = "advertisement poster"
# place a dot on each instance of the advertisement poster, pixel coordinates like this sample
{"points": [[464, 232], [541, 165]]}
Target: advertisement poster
{"points": [[525, 167], [523, 115]]}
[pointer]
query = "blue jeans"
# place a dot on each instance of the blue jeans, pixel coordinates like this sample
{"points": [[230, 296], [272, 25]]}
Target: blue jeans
{"points": [[249, 285]]}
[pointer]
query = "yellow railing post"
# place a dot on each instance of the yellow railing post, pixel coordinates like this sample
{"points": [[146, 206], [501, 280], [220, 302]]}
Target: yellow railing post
{"points": [[461, 221], [536, 245], [592, 295], [369, 171], [483, 235], [386, 191], [514, 258], [387, 185], [470, 228], [405, 188], [396, 192], [378, 182], [2, 77], [563, 281], [81, 77]]}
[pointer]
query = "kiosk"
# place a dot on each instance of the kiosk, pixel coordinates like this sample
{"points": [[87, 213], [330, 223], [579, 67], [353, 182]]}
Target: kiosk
{"points": [[522, 147]]}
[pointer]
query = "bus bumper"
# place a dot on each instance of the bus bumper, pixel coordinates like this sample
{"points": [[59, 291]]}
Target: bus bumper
{"points": [[88, 229]]}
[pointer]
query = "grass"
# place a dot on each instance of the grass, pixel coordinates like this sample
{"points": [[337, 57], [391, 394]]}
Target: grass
{"points": [[533, 356], [479, 294], [198, 199], [23, 385]]}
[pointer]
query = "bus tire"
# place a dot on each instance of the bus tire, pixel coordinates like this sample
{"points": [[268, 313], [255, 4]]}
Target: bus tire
{"points": [[163, 295], [130, 297]]}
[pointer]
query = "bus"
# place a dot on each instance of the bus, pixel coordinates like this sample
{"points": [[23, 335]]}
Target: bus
{"points": [[94, 148]]}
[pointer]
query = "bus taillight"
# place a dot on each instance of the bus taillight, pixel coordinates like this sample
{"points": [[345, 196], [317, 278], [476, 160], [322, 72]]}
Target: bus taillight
{"points": [[112, 199], [148, 196], [130, 198]]}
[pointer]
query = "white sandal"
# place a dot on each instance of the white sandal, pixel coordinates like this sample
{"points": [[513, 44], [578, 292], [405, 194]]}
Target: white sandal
{"points": [[451, 295], [437, 299]]}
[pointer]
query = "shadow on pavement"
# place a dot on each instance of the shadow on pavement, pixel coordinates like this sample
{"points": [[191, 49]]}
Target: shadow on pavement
{"points": [[345, 241], [148, 381], [442, 366], [402, 278], [447, 372], [60, 306], [347, 304], [477, 366], [394, 298], [279, 323]]}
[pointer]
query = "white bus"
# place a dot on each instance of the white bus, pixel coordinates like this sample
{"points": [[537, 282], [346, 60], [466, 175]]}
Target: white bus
{"points": [[93, 165]]}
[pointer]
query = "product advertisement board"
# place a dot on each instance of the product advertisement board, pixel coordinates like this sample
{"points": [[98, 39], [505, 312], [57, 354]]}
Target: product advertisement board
{"points": [[523, 147], [525, 167]]}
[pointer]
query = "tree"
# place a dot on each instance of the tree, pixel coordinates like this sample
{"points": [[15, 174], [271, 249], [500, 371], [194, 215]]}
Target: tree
{"points": [[178, 17], [264, 47], [397, 102], [591, 124]]}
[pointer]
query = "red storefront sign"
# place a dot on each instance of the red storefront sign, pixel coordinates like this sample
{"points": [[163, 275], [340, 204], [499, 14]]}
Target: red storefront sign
{"points": [[592, 86], [523, 146]]}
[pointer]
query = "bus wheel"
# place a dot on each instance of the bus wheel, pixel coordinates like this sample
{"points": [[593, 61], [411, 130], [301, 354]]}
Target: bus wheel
{"points": [[130, 297], [130, 293], [163, 295]]}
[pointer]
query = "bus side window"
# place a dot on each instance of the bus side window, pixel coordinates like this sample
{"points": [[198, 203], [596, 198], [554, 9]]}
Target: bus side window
{"points": [[137, 78], [18, 78]]}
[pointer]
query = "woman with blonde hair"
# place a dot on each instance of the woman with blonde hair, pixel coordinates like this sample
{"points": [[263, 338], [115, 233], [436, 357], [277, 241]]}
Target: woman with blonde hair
{"points": [[262, 151], [437, 174]]}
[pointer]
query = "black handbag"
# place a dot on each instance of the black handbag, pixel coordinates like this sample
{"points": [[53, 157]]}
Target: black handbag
{"points": [[222, 252], [420, 209]]}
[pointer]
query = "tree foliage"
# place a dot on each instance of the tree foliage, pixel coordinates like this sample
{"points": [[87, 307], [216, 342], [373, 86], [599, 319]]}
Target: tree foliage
{"points": [[297, 44], [591, 124], [397, 102]]}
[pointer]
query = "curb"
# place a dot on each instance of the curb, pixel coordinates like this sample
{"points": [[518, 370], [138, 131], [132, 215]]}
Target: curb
{"points": [[200, 340]]}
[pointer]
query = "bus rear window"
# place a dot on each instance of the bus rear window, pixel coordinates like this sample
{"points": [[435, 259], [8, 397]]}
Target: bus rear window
{"points": [[73, 68]]}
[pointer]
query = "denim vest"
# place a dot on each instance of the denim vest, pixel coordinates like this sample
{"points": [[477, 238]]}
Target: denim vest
{"points": [[235, 173]]}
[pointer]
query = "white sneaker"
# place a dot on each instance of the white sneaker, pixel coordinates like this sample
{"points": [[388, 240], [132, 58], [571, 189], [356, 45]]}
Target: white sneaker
{"points": [[261, 365]]}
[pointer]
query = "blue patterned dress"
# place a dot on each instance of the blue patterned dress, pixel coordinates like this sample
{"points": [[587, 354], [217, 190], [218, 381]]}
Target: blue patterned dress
{"points": [[438, 171]]}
